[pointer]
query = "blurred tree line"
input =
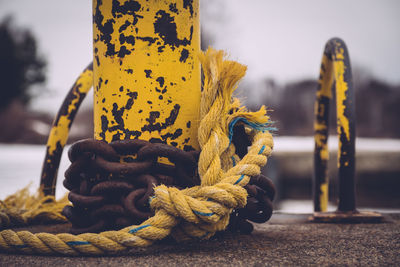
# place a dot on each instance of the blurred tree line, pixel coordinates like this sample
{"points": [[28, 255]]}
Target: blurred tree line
{"points": [[377, 106], [21, 67], [20, 64]]}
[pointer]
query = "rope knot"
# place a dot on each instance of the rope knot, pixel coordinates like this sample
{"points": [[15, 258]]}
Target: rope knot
{"points": [[199, 204]]}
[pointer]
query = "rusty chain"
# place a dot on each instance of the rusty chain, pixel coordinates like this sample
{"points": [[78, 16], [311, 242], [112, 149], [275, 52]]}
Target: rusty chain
{"points": [[259, 206], [110, 184]]}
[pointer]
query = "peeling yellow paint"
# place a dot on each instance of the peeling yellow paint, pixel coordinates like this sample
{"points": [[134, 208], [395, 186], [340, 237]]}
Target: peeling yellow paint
{"points": [[323, 197], [332, 71], [60, 129], [341, 88], [159, 75], [326, 73], [319, 139], [324, 153], [320, 126]]}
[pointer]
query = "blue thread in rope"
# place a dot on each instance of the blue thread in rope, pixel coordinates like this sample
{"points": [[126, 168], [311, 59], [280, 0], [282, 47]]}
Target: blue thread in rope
{"points": [[151, 198], [261, 150], [77, 243], [134, 230], [257, 126], [203, 213], [240, 178], [234, 161]]}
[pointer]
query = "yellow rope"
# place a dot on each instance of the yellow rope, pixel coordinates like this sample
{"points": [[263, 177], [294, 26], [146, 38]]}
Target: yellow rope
{"points": [[21, 209], [196, 212]]}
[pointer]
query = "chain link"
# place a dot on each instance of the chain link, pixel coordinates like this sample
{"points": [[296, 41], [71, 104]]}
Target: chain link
{"points": [[110, 184]]}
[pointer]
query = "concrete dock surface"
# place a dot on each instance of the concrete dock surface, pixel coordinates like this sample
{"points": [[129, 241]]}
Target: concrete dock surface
{"points": [[286, 240]]}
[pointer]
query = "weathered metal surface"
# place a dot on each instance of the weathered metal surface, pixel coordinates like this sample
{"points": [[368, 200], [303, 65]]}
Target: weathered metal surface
{"points": [[59, 132], [111, 184], [261, 193], [335, 72], [146, 71]]}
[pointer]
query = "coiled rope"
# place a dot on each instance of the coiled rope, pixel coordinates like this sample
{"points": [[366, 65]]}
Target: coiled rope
{"points": [[22, 209], [196, 212]]}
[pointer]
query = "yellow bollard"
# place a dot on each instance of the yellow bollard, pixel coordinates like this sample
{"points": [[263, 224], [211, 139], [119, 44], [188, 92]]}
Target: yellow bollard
{"points": [[335, 74], [146, 71], [58, 135]]}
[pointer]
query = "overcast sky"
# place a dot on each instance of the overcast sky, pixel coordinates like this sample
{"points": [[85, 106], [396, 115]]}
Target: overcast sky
{"points": [[282, 39]]}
